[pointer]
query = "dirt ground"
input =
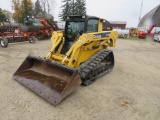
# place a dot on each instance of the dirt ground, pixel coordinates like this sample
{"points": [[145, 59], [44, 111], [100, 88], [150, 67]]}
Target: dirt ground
{"points": [[130, 92]]}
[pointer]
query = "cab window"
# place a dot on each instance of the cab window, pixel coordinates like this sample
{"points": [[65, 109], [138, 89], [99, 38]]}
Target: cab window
{"points": [[74, 28], [92, 25]]}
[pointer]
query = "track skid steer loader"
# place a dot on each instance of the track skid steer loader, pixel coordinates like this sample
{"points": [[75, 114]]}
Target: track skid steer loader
{"points": [[79, 55]]}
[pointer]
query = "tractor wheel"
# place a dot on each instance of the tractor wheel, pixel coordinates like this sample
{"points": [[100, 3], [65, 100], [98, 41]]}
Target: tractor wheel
{"points": [[4, 42], [33, 39]]}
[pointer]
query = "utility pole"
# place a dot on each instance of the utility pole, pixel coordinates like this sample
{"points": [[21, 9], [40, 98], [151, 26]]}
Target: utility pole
{"points": [[73, 7], [140, 11]]}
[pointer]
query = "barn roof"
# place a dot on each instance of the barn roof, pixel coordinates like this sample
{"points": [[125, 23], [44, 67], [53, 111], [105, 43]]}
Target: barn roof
{"points": [[152, 17]]}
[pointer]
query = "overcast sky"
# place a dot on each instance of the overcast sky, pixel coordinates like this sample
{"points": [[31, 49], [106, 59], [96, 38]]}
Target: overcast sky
{"points": [[112, 10]]}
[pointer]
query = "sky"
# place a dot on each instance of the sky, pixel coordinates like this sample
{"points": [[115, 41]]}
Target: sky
{"points": [[111, 10]]}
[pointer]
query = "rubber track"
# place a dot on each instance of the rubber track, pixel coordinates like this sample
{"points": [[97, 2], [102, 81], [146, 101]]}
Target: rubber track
{"points": [[87, 69]]}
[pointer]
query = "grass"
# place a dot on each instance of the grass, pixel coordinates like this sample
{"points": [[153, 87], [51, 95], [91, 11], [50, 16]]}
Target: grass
{"points": [[133, 38]]}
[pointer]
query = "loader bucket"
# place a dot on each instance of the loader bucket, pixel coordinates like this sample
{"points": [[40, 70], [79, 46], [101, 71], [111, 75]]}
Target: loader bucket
{"points": [[49, 79]]}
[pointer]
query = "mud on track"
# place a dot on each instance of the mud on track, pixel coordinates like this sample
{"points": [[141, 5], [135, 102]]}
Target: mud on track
{"points": [[130, 92]]}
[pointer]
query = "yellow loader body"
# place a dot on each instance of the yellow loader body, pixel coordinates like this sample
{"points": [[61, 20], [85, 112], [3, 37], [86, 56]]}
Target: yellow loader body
{"points": [[79, 55]]}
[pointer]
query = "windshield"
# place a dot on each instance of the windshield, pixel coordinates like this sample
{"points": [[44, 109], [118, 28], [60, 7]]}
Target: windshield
{"points": [[74, 29]]}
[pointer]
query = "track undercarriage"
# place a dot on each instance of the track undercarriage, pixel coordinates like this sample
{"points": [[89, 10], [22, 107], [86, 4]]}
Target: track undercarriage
{"points": [[99, 65]]}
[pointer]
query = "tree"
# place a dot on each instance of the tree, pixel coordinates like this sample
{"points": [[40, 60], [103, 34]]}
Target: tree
{"points": [[79, 7], [27, 5], [8, 14], [21, 9], [66, 9], [69, 7], [17, 15], [2, 16], [48, 5], [37, 8]]}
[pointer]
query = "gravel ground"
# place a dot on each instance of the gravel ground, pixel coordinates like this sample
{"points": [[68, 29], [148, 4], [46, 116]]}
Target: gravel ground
{"points": [[130, 92]]}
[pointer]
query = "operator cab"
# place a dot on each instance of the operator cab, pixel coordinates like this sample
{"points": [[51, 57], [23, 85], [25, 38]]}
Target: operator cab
{"points": [[77, 25], [74, 27]]}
